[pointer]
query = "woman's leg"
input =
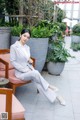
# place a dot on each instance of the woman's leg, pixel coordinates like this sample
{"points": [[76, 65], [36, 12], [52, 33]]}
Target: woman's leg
{"points": [[41, 83], [49, 93], [36, 77]]}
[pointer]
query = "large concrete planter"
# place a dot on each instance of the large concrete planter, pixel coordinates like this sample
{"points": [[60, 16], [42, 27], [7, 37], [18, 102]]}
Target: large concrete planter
{"points": [[13, 39], [5, 37], [55, 68], [38, 49]]}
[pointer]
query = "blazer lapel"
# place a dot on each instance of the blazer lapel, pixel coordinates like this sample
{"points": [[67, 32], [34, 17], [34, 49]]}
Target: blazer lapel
{"points": [[20, 49]]}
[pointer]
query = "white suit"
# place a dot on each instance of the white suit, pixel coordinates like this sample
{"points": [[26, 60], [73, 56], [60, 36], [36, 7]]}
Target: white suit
{"points": [[19, 56]]}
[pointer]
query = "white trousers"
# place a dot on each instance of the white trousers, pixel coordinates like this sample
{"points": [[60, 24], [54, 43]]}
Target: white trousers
{"points": [[41, 83]]}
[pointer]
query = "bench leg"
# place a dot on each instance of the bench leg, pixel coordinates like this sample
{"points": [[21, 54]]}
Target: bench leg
{"points": [[13, 87], [37, 91]]}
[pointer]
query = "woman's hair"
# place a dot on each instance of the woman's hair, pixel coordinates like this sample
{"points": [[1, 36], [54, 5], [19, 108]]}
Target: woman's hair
{"points": [[26, 31]]}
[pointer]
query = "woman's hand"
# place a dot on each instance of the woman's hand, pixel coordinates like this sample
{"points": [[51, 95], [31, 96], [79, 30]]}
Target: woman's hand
{"points": [[30, 61]]}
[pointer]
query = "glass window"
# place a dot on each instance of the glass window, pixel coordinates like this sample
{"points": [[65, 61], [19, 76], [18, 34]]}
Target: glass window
{"points": [[68, 8], [68, 14], [76, 7], [75, 14]]}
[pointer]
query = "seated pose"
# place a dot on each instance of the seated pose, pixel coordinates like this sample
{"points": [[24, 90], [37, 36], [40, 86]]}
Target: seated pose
{"points": [[20, 59]]}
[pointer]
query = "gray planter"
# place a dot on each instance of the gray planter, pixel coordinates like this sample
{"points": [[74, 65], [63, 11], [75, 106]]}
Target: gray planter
{"points": [[75, 39], [13, 39], [5, 37], [55, 68], [38, 49]]}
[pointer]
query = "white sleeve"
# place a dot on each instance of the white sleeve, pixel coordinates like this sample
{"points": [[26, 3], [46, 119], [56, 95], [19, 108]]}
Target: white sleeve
{"points": [[16, 65]]}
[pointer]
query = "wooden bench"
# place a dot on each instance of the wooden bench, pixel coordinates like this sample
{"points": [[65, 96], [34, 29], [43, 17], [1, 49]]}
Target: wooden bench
{"points": [[10, 104], [7, 70]]}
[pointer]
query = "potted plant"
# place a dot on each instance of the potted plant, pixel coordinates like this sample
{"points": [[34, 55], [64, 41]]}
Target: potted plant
{"points": [[39, 42], [56, 57], [15, 33], [75, 37], [62, 27]]}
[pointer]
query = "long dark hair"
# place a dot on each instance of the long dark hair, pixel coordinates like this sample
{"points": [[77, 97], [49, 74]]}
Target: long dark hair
{"points": [[25, 31]]}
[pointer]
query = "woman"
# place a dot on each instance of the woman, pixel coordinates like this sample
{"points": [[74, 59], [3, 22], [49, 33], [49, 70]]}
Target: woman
{"points": [[20, 59]]}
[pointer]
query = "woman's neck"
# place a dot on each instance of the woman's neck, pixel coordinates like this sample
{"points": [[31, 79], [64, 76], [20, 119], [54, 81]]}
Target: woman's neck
{"points": [[21, 43]]}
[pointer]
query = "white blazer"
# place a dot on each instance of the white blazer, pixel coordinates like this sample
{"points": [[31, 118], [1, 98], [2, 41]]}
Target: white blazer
{"points": [[19, 56]]}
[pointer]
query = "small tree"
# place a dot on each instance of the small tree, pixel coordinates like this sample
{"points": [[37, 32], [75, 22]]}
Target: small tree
{"points": [[12, 8], [34, 10], [2, 6], [38, 10], [2, 11], [60, 15]]}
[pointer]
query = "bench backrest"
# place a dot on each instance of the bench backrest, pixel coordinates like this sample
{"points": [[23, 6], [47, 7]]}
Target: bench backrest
{"points": [[5, 55], [5, 64]]}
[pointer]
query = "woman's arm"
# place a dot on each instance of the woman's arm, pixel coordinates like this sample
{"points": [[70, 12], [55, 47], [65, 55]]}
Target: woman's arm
{"points": [[16, 65]]}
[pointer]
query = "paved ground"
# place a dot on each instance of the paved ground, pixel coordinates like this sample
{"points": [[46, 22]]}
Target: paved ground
{"points": [[39, 108]]}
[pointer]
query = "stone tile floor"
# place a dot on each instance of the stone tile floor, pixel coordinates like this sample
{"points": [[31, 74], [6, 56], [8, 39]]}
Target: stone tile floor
{"points": [[39, 108]]}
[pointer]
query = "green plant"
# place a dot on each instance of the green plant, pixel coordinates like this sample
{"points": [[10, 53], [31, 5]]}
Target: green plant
{"points": [[62, 26], [4, 24], [16, 30], [2, 6], [45, 29], [76, 29], [57, 52], [60, 15], [41, 29], [40, 32]]}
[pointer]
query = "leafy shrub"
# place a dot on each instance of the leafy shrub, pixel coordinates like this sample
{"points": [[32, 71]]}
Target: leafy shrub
{"points": [[62, 26], [16, 30], [45, 29], [76, 29], [57, 52]]}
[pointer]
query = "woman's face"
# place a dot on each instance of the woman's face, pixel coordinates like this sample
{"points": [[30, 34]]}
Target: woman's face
{"points": [[24, 38]]}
